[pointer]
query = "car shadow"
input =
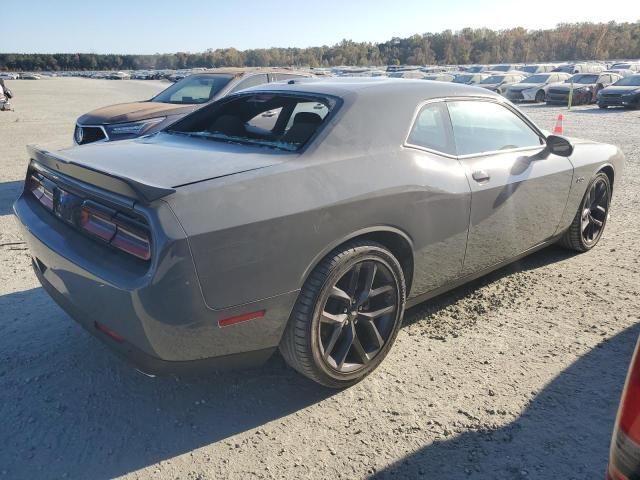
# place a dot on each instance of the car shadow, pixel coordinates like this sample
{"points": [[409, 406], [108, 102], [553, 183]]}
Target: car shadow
{"points": [[9, 191], [563, 433], [71, 408]]}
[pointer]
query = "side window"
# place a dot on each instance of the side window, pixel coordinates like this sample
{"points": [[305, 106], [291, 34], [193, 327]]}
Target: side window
{"points": [[432, 129], [480, 127], [251, 81]]}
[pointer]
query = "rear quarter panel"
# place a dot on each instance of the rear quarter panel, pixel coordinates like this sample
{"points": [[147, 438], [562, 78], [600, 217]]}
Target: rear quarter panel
{"points": [[256, 235]]}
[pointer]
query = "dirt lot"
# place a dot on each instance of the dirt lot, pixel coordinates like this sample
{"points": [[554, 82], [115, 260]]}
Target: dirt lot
{"points": [[515, 376]]}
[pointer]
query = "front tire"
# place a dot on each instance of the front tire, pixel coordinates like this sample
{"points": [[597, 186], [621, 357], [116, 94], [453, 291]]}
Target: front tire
{"points": [[540, 96], [347, 315], [587, 226]]}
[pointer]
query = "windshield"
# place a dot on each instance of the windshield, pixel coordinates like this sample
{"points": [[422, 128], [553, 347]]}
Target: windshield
{"points": [[476, 69], [582, 78], [535, 79], [279, 121], [632, 81], [530, 68], [501, 68], [493, 79], [194, 89], [463, 79], [564, 68]]}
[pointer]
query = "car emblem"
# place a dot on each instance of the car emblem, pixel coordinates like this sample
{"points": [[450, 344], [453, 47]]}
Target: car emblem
{"points": [[79, 134]]}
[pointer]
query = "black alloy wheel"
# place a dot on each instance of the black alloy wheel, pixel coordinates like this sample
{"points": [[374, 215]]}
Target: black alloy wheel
{"points": [[594, 211], [358, 316], [586, 229], [347, 315]]}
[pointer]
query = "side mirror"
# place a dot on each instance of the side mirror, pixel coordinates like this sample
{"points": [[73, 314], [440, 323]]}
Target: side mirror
{"points": [[559, 146]]}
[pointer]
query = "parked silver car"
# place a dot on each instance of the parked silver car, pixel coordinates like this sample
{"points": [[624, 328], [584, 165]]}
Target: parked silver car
{"points": [[535, 87], [216, 241]]}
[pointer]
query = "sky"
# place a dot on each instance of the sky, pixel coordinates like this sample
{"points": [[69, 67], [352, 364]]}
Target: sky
{"points": [[142, 26]]}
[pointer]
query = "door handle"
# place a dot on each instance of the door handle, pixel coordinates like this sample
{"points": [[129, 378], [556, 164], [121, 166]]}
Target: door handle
{"points": [[480, 176]]}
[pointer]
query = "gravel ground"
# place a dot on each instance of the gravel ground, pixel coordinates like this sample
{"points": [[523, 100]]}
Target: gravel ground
{"points": [[516, 375]]}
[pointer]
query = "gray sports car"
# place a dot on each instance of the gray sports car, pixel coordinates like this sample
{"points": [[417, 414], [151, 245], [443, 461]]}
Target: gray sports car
{"points": [[311, 229]]}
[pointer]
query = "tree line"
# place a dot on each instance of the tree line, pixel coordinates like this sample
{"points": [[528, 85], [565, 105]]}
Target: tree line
{"points": [[567, 41]]}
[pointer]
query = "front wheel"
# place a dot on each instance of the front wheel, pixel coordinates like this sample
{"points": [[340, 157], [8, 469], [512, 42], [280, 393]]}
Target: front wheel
{"points": [[540, 96], [587, 226], [347, 315]]}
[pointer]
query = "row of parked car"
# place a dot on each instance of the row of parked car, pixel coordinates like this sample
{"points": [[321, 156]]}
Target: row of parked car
{"points": [[606, 87]]}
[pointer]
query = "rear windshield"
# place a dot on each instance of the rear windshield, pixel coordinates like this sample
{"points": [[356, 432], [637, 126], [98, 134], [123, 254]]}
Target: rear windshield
{"points": [[283, 122], [530, 68], [502, 68], [632, 81], [193, 89]]}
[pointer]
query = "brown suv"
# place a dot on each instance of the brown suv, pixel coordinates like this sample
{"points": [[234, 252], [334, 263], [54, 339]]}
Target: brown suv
{"points": [[131, 120]]}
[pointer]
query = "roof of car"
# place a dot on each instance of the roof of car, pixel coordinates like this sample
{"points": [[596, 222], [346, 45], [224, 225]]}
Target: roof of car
{"points": [[407, 89]]}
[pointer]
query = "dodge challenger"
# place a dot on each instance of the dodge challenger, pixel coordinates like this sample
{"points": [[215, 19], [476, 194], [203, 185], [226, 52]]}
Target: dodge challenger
{"points": [[232, 234]]}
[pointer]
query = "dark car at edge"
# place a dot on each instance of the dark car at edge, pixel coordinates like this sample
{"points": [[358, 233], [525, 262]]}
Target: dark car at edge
{"points": [[624, 93]]}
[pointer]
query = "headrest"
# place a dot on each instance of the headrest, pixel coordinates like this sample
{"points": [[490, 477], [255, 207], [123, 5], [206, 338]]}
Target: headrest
{"points": [[307, 117]]}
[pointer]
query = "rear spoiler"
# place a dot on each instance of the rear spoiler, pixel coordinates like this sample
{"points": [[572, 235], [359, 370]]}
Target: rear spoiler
{"points": [[120, 185]]}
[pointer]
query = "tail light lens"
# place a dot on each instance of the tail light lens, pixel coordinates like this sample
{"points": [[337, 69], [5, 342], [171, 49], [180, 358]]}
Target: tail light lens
{"points": [[624, 461], [42, 189], [121, 231], [629, 416], [97, 220]]}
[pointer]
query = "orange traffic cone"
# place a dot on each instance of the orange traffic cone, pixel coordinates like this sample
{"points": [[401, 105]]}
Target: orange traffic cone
{"points": [[558, 128]]}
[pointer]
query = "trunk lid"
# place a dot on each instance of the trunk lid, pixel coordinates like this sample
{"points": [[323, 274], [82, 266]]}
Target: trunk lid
{"points": [[170, 161]]}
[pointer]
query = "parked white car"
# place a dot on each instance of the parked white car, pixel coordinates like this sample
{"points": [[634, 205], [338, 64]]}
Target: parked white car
{"points": [[535, 87], [9, 76]]}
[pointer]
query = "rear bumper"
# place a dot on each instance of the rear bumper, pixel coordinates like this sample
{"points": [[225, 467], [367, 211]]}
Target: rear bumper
{"points": [[160, 314]]}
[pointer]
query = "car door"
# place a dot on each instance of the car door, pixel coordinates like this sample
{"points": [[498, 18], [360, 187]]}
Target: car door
{"points": [[442, 199], [518, 189]]}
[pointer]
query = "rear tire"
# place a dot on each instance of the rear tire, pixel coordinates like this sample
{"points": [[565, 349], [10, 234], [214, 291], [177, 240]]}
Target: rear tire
{"points": [[590, 220], [336, 334], [604, 107]]}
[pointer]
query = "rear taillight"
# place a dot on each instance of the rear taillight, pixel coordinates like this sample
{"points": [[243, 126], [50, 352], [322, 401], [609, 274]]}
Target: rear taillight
{"points": [[96, 220], [624, 462], [121, 231], [42, 189], [629, 417]]}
